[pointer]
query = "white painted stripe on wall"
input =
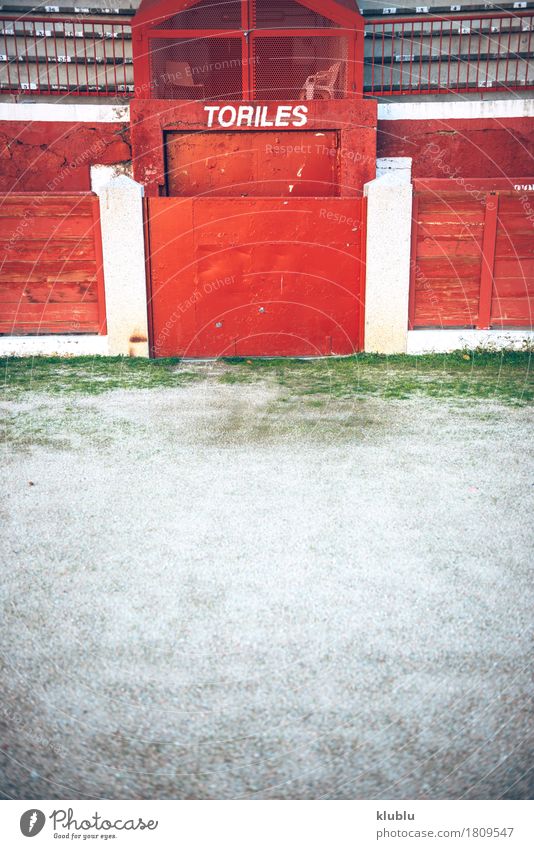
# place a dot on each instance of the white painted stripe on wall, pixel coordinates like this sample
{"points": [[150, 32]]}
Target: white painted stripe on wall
{"points": [[429, 110], [437, 341], [62, 346], [419, 342], [87, 113], [91, 113]]}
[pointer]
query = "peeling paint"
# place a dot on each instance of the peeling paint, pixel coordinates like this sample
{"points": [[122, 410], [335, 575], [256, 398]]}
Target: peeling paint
{"points": [[476, 148], [57, 156]]}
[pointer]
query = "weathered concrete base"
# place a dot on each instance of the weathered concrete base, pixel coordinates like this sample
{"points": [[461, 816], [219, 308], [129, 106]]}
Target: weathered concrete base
{"points": [[47, 346], [418, 342], [389, 224], [444, 341]]}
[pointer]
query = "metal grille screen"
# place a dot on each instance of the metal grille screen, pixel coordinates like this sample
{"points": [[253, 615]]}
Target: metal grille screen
{"points": [[300, 68], [196, 68], [207, 14], [284, 14]]}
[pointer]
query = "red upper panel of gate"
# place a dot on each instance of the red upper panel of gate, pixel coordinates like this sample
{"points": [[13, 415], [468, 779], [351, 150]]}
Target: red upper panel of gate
{"points": [[265, 50]]}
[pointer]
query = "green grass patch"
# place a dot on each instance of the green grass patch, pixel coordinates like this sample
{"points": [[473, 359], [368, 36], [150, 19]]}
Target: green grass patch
{"points": [[90, 375], [504, 376]]}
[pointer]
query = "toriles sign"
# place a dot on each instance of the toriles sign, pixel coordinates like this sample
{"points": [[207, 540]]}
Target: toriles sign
{"points": [[257, 116], [344, 133]]}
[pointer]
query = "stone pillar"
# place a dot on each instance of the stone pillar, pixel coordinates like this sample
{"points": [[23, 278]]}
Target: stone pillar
{"points": [[123, 247], [389, 228]]}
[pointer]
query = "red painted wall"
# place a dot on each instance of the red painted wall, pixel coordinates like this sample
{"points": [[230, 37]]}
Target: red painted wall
{"points": [[45, 156], [56, 157], [472, 148]]}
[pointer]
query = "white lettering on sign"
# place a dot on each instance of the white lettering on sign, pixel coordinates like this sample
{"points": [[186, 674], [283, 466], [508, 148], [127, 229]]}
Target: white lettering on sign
{"points": [[257, 116], [524, 187]]}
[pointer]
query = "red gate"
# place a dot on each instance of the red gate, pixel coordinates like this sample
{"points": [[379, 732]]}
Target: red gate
{"points": [[472, 254], [253, 142], [255, 251], [255, 276]]}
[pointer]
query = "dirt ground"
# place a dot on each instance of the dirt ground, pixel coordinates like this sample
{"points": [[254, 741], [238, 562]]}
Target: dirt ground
{"points": [[216, 591]]}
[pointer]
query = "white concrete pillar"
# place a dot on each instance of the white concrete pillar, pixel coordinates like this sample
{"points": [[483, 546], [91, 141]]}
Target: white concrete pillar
{"points": [[123, 246], [389, 228]]}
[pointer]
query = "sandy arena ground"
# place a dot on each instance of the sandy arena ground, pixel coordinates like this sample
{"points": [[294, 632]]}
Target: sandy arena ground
{"points": [[207, 595]]}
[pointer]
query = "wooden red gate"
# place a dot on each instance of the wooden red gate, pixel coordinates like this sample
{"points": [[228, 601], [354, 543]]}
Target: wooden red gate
{"points": [[472, 254], [255, 276], [255, 252]]}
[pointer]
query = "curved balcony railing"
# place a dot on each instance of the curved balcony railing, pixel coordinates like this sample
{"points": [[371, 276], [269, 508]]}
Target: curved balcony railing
{"points": [[49, 55]]}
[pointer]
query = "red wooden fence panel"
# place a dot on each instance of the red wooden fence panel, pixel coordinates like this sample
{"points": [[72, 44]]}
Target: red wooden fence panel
{"points": [[513, 275], [472, 254], [51, 278]]}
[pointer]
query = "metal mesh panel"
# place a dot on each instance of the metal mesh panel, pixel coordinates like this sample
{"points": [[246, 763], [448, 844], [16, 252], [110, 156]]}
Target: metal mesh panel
{"points": [[208, 14], [285, 14], [265, 14], [196, 68], [300, 68]]}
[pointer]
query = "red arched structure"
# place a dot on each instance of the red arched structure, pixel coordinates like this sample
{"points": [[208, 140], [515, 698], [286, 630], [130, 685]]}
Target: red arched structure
{"points": [[249, 64], [264, 50], [253, 141]]}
